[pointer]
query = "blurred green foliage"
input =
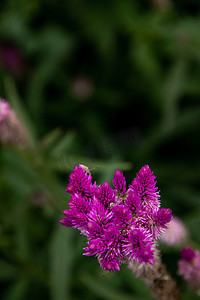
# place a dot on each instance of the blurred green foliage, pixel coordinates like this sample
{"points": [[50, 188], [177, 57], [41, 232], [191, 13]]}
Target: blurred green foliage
{"points": [[109, 84]]}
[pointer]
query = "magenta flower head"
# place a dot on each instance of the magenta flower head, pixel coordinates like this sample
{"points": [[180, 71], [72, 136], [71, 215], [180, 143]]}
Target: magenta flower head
{"points": [[120, 225], [189, 267]]}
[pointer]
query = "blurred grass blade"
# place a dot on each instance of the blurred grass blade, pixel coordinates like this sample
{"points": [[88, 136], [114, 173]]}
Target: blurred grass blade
{"points": [[104, 291], [7, 271], [67, 163], [13, 97], [172, 90], [61, 253], [63, 145], [17, 291], [188, 120], [54, 47], [50, 139]]}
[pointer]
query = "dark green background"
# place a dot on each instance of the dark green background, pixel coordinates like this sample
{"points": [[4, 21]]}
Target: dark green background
{"points": [[140, 63]]}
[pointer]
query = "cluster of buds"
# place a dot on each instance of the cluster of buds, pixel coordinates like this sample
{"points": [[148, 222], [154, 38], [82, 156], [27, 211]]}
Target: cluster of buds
{"points": [[12, 132], [121, 225]]}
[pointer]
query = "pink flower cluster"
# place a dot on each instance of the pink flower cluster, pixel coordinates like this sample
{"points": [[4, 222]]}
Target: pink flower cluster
{"points": [[121, 225], [4, 109], [176, 234], [12, 131], [189, 267]]}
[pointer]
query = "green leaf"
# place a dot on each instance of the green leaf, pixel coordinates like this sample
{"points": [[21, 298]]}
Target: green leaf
{"points": [[67, 163], [50, 139], [64, 144], [13, 97], [188, 120], [7, 271], [172, 90], [17, 291], [105, 291], [61, 253], [54, 46], [145, 60]]}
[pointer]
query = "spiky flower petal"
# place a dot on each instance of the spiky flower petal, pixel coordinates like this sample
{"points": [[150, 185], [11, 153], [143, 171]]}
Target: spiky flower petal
{"points": [[119, 182], [105, 194], [161, 218], [144, 185], [139, 246], [134, 202], [80, 183], [122, 215]]}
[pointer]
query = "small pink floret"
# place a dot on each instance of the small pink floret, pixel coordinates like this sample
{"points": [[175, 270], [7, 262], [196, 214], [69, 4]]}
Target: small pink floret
{"points": [[4, 109]]}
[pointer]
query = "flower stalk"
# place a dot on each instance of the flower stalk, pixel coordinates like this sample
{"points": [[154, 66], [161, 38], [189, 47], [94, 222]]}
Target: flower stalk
{"points": [[157, 279]]}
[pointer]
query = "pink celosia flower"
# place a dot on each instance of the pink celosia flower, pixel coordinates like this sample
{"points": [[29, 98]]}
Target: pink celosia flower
{"points": [[12, 132], [120, 225], [176, 234], [4, 109], [189, 267]]}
